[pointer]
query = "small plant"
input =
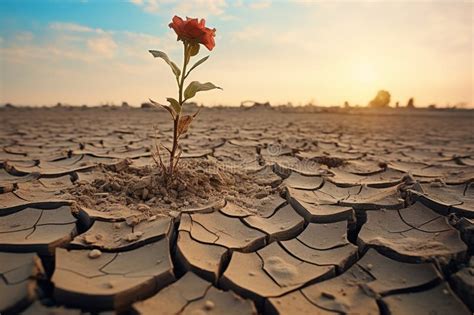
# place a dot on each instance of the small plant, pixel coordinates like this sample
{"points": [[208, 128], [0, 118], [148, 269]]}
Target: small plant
{"points": [[192, 33]]}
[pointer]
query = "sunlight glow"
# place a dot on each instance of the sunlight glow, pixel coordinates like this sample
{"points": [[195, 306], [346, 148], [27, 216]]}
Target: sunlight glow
{"points": [[365, 73], [86, 52]]}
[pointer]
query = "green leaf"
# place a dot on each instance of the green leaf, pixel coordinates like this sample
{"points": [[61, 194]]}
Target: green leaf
{"points": [[168, 108], [200, 61], [174, 104], [196, 86], [162, 55]]}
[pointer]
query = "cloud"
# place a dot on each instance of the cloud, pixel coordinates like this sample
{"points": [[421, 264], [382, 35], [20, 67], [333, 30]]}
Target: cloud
{"points": [[62, 63], [43, 54], [201, 7], [237, 3], [249, 33], [150, 6], [186, 8], [72, 27], [99, 42], [294, 61], [262, 4], [69, 42], [103, 46], [142, 38], [24, 37]]}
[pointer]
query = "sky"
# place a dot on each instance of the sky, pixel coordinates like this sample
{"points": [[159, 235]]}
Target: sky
{"points": [[283, 51]]}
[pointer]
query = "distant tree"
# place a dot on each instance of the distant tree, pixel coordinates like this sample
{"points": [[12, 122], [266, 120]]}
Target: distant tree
{"points": [[261, 105], [397, 104], [191, 104], [381, 100], [346, 104], [125, 104], [411, 103], [147, 105], [461, 105], [432, 106], [246, 103]]}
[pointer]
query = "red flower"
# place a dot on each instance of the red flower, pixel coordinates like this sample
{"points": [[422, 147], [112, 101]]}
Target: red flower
{"points": [[194, 31]]}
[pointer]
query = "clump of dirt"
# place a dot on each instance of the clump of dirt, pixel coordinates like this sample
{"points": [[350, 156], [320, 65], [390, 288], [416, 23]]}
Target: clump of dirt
{"points": [[330, 161], [198, 183]]}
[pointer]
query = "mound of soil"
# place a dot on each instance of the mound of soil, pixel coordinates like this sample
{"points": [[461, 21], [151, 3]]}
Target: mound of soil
{"points": [[198, 183]]}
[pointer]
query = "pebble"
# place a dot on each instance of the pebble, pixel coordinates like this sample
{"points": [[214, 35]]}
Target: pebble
{"points": [[7, 188], [181, 187], [437, 184], [99, 182], [143, 207], [106, 187], [115, 186], [132, 221], [95, 253], [121, 165], [261, 195], [328, 295], [145, 193], [174, 213], [90, 239], [173, 193], [131, 237], [109, 284], [209, 305]]}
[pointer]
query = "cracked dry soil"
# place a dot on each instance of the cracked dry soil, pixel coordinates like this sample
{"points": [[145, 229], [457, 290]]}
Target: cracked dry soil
{"points": [[276, 213]]}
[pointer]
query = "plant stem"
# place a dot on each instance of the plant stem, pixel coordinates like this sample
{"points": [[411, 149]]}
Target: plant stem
{"points": [[176, 120]]}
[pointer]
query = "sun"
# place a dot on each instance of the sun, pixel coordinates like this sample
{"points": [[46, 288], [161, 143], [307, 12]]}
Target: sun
{"points": [[364, 73]]}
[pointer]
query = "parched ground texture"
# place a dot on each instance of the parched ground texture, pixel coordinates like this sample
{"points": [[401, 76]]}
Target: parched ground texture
{"points": [[276, 213]]}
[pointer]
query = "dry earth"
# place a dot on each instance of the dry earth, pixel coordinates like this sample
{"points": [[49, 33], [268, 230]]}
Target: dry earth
{"points": [[277, 213]]}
